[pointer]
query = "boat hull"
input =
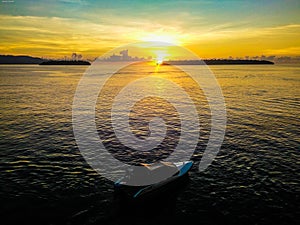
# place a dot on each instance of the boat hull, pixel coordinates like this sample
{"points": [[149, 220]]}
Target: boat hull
{"points": [[137, 193]]}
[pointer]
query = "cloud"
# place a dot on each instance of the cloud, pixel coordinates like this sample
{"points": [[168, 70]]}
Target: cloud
{"points": [[284, 51], [97, 34], [81, 2], [60, 34]]}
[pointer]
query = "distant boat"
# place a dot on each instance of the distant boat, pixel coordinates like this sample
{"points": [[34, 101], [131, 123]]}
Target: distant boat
{"points": [[177, 171], [65, 62]]}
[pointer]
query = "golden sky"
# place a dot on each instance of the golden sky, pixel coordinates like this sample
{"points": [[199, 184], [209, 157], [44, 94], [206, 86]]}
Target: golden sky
{"points": [[212, 29]]}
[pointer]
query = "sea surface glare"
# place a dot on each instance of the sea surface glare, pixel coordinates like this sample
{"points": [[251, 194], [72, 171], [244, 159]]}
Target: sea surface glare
{"points": [[253, 180]]}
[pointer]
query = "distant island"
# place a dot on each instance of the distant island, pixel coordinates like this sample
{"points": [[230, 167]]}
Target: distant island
{"points": [[124, 56], [10, 59], [65, 62], [23, 59], [217, 62]]}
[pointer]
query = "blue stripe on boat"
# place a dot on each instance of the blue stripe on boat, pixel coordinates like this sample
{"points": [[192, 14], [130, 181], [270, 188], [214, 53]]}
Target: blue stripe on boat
{"points": [[185, 168], [137, 194]]}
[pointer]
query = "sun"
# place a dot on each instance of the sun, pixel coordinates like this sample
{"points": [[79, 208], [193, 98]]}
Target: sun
{"points": [[161, 45], [159, 61], [160, 55]]}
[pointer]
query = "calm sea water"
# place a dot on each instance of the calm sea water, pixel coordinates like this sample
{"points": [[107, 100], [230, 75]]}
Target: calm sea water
{"points": [[253, 180]]}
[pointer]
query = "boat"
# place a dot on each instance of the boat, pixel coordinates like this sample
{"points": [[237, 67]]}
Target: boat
{"points": [[152, 172]]}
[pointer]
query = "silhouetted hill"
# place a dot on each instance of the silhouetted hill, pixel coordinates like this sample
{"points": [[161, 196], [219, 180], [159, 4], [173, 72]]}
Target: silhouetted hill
{"points": [[217, 62], [10, 59]]}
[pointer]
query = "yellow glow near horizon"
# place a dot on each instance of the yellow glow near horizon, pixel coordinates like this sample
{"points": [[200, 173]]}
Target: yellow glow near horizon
{"points": [[167, 38], [40, 36]]}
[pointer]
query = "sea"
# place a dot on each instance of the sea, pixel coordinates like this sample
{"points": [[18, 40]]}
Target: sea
{"points": [[254, 178]]}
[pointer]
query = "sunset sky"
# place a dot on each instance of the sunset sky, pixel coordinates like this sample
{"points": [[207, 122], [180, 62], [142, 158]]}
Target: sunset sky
{"points": [[209, 28]]}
